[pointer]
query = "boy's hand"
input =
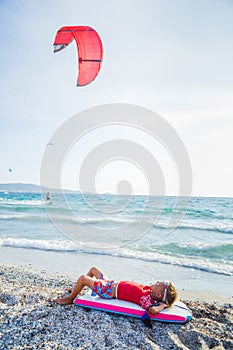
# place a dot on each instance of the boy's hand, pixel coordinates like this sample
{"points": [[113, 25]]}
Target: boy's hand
{"points": [[156, 309], [164, 305]]}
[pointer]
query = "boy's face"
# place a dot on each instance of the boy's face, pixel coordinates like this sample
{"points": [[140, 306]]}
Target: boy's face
{"points": [[158, 290]]}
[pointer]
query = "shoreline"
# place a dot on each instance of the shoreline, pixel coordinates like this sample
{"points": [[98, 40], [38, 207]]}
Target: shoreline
{"points": [[30, 319], [74, 264]]}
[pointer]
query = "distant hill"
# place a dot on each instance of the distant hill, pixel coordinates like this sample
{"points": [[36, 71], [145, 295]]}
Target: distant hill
{"points": [[21, 187]]}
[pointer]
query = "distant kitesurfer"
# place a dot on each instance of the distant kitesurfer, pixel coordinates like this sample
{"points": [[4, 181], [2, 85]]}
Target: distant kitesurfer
{"points": [[48, 199]]}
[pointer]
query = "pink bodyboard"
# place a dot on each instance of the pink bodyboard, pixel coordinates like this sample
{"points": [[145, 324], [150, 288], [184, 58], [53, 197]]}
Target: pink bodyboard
{"points": [[179, 313]]}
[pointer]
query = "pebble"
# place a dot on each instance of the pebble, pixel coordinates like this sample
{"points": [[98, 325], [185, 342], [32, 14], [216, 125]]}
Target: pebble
{"points": [[30, 319]]}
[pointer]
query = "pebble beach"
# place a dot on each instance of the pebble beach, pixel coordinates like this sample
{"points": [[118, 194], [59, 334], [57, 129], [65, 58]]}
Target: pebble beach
{"points": [[30, 319]]}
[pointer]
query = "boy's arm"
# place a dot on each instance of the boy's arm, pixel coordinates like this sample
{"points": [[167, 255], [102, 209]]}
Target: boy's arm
{"points": [[154, 310]]}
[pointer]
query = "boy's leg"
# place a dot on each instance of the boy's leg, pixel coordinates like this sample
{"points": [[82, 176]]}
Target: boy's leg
{"points": [[95, 272], [82, 281]]}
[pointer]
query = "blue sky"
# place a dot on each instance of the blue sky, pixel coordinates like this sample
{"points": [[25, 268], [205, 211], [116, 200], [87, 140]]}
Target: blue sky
{"points": [[174, 57]]}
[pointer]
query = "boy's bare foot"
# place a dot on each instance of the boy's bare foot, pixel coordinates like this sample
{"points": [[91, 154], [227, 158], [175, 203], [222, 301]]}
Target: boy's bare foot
{"points": [[64, 301]]}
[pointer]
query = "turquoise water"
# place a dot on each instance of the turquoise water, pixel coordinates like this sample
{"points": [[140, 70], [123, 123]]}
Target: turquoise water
{"points": [[133, 228]]}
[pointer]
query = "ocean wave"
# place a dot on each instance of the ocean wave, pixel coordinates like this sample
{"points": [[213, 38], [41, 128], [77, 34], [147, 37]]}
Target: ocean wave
{"points": [[206, 214], [47, 245], [23, 202], [121, 221], [75, 218], [200, 227], [22, 217], [87, 220], [13, 216], [212, 250], [196, 263], [97, 220], [193, 262], [59, 215]]}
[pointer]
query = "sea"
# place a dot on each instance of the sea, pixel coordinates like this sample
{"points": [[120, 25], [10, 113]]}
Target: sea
{"points": [[132, 237]]}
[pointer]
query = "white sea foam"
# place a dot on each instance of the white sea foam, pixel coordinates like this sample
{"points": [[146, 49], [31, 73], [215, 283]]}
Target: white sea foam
{"points": [[24, 202], [203, 264], [14, 216], [49, 245], [224, 228]]}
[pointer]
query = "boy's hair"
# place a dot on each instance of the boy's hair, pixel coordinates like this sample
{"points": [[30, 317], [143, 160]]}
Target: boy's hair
{"points": [[172, 294]]}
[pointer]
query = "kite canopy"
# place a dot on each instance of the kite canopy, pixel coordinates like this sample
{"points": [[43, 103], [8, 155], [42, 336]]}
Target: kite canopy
{"points": [[90, 50]]}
